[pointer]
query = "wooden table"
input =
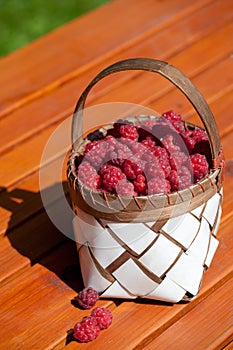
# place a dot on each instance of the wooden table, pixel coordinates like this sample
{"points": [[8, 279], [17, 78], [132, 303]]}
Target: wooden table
{"points": [[40, 85]]}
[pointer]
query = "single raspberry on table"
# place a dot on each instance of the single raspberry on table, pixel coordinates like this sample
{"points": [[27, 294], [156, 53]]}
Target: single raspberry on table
{"points": [[200, 166], [125, 188], [158, 186], [88, 175], [103, 317], [86, 330], [129, 132], [111, 176], [87, 297]]}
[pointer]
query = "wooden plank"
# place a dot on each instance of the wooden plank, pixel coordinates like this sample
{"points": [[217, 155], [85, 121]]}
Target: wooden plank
{"points": [[177, 101], [229, 346], [28, 191], [207, 326], [21, 157], [28, 73], [59, 103], [49, 302], [148, 319], [26, 244], [37, 312]]}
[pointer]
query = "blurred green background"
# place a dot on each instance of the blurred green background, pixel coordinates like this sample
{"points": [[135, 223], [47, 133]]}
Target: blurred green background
{"points": [[22, 21]]}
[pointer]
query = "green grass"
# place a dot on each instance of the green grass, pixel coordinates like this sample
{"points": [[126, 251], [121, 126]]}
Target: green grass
{"points": [[22, 21]]}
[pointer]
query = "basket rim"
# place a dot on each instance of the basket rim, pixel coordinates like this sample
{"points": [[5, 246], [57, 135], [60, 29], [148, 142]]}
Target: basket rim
{"points": [[204, 188]]}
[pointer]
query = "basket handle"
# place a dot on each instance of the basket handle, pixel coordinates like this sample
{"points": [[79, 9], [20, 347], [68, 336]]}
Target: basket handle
{"points": [[171, 73]]}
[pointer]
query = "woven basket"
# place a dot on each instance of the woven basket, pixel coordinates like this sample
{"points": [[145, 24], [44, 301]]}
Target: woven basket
{"points": [[156, 246]]}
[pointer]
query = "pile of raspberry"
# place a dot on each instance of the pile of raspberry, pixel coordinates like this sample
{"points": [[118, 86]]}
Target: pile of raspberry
{"points": [[157, 156], [90, 326]]}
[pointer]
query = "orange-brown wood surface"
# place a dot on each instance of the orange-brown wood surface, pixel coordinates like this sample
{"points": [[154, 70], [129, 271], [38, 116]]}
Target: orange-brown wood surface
{"points": [[40, 85]]}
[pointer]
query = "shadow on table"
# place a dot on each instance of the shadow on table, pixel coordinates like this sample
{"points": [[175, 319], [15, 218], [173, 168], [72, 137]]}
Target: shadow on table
{"points": [[31, 232]]}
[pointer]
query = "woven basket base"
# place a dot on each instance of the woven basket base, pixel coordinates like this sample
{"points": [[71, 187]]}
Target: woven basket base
{"points": [[162, 261]]}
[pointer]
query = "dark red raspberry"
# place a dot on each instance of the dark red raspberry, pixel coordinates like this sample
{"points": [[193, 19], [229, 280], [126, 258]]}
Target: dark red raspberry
{"points": [[125, 188], [129, 132], [177, 159], [171, 115], [112, 175], [88, 175], [103, 317], [180, 179], [87, 297], [86, 330], [131, 169], [158, 185], [199, 165]]}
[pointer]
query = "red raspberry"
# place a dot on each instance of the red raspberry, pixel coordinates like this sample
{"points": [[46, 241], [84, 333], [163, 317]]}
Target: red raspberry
{"points": [[139, 184], [180, 179], [103, 317], [169, 143], [86, 330], [120, 151], [158, 185], [129, 132], [188, 140], [149, 123], [125, 188], [149, 143], [87, 297], [199, 135], [112, 175], [131, 169], [88, 175], [177, 159], [163, 158], [199, 165], [154, 169], [95, 152], [171, 115]]}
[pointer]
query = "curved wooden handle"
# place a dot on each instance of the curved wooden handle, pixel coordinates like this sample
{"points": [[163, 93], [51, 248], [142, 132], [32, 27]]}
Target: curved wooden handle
{"points": [[171, 73]]}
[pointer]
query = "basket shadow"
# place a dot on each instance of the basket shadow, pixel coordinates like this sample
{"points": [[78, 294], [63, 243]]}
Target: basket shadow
{"points": [[32, 234]]}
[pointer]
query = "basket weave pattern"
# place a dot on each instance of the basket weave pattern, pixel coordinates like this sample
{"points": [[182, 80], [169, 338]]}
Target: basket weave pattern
{"points": [[138, 260], [156, 247]]}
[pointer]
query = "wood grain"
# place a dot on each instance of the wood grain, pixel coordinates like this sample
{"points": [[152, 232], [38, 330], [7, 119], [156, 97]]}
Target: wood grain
{"points": [[59, 103], [28, 81], [40, 84], [207, 326]]}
